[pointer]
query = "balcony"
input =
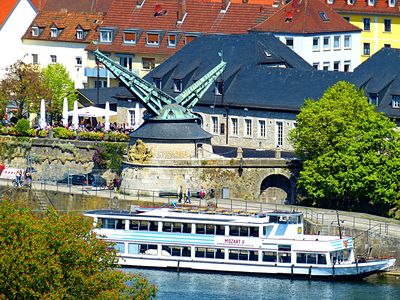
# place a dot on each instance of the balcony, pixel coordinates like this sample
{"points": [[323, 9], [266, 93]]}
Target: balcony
{"points": [[103, 73]]}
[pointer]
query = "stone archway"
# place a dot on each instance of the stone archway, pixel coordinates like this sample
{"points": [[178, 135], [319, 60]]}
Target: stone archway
{"points": [[277, 189]]}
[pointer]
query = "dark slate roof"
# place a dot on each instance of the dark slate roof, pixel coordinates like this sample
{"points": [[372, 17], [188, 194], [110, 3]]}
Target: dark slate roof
{"points": [[382, 71], [167, 130], [105, 94]]}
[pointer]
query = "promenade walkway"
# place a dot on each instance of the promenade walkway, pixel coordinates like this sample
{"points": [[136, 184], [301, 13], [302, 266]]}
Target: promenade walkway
{"points": [[351, 220]]}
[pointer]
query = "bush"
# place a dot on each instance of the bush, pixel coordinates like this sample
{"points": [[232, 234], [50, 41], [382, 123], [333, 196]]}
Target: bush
{"points": [[22, 126], [91, 136], [42, 133], [117, 137], [3, 130], [31, 132], [63, 133]]}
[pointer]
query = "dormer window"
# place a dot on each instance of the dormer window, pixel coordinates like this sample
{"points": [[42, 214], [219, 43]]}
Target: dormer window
{"points": [[79, 34], [172, 40], [129, 37], [219, 88], [323, 16], [351, 2], [373, 99], [152, 39], [392, 3], [330, 1], [189, 38], [177, 85], [35, 31], [157, 82], [54, 32], [371, 2], [395, 101], [106, 36]]}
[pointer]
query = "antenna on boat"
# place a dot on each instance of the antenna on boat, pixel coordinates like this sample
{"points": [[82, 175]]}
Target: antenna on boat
{"points": [[338, 221]]}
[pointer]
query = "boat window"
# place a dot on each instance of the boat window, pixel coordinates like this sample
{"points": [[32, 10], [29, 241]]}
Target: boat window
{"points": [[210, 253], [200, 252], [311, 258], [167, 227], [234, 230], [166, 249], [144, 225], [120, 247], [284, 257], [234, 254], [292, 219], [299, 219], [220, 230], [153, 226], [220, 253], [283, 220], [200, 228], [120, 224], [134, 225], [301, 258], [186, 228], [253, 255], [269, 256], [108, 223], [254, 231], [243, 231], [176, 251], [321, 259], [267, 230], [284, 247], [147, 249], [210, 229], [273, 219], [177, 227], [133, 248]]}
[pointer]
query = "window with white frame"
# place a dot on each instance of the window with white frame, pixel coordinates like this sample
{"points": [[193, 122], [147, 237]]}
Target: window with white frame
{"points": [[351, 2], [346, 66], [326, 66], [53, 59], [235, 126], [129, 37], [395, 101], [152, 39], [53, 32], [279, 133], [387, 25], [392, 3], [214, 124], [131, 118], [366, 48], [371, 2], [35, 59], [100, 83], [347, 42], [177, 85], [316, 66], [79, 34], [367, 24], [157, 83], [126, 62], [373, 99], [315, 46], [261, 128], [336, 66], [78, 61], [330, 1], [336, 42], [248, 127], [327, 42], [35, 31], [172, 40], [106, 36]]}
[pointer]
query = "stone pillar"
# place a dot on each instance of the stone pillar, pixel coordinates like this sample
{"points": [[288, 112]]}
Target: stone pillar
{"points": [[278, 154]]}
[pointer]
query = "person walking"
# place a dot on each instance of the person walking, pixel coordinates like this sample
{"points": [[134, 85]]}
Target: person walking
{"points": [[188, 194], [180, 194]]}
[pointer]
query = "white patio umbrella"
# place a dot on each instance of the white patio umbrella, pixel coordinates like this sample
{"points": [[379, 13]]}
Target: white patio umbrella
{"points": [[92, 112], [42, 121], [65, 112], [107, 117], [75, 118]]}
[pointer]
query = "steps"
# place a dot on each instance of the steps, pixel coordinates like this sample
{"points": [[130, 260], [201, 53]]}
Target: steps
{"points": [[41, 199]]}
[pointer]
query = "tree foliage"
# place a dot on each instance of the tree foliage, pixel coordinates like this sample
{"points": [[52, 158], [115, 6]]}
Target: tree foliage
{"points": [[24, 87], [60, 85], [58, 257], [351, 152]]}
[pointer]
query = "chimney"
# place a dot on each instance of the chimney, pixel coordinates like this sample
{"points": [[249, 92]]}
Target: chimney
{"points": [[181, 13], [225, 5]]}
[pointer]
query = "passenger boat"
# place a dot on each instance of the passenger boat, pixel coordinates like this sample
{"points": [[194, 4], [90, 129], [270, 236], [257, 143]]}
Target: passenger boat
{"points": [[262, 243]]}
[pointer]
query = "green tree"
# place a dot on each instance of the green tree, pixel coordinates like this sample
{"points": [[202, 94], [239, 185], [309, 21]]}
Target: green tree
{"points": [[59, 257], [24, 87], [350, 152], [60, 85]]}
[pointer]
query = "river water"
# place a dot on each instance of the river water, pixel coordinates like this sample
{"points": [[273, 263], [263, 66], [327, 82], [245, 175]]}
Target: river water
{"points": [[214, 286]]}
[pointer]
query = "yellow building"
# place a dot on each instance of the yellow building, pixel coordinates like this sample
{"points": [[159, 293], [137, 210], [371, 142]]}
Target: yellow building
{"points": [[378, 19]]}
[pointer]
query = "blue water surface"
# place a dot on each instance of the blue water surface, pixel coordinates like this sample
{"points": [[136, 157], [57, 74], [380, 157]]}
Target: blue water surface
{"points": [[199, 286]]}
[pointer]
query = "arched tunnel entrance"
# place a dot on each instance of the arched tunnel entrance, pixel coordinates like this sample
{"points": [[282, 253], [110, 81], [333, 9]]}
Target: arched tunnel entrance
{"points": [[276, 189]]}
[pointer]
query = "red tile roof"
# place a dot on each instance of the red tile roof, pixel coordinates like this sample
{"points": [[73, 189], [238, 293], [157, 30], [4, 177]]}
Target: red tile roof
{"points": [[202, 18], [381, 7], [79, 5], [6, 7], [68, 22], [304, 17], [39, 4]]}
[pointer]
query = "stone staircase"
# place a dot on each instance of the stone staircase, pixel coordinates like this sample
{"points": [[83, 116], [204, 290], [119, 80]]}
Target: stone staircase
{"points": [[41, 199]]}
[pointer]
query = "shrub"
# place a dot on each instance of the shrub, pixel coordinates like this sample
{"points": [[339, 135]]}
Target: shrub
{"points": [[31, 132], [91, 136], [117, 137], [63, 133], [42, 133], [12, 130], [3, 130], [22, 126]]}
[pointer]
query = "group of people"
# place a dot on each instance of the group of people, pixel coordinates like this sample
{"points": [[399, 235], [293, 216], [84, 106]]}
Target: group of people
{"points": [[187, 195], [19, 180]]}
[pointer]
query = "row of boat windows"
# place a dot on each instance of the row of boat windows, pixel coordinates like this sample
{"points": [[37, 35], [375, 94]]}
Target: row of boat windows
{"points": [[180, 227], [219, 253]]}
